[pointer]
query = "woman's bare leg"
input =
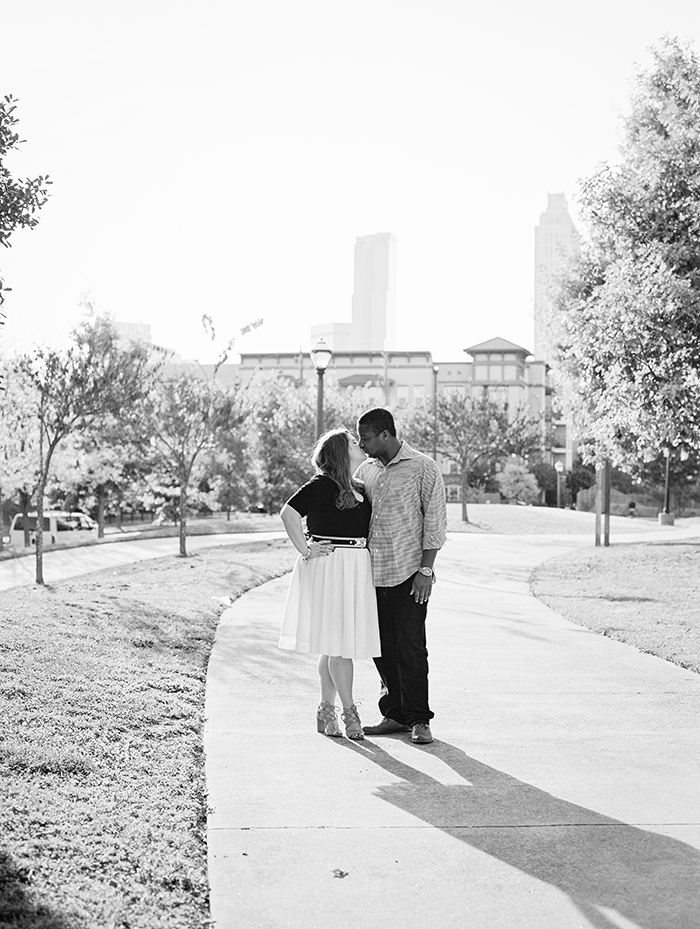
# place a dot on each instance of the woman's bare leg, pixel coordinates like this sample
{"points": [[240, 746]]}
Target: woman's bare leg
{"points": [[342, 672], [328, 688]]}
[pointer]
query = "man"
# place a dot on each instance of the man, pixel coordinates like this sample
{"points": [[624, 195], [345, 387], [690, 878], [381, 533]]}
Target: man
{"points": [[409, 518]]}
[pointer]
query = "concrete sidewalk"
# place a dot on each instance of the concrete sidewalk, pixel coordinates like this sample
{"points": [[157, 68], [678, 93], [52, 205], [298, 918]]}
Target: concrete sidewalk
{"points": [[562, 789], [60, 564]]}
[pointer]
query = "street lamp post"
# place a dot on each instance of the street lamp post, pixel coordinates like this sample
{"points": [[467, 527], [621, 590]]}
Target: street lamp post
{"points": [[321, 357], [666, 517], [667, 489], [558, 467], [436, 368]]}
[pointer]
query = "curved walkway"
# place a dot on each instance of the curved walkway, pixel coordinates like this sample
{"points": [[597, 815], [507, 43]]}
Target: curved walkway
{"points": [[72, 562], [561, 792]]}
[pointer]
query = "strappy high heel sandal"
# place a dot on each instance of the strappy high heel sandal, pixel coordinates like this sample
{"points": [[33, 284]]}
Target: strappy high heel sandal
{"points": [[353, 726], [327, 721]]}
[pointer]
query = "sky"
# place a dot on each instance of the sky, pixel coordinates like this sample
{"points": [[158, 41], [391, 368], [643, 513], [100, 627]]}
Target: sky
{"points": [[221, 157]]}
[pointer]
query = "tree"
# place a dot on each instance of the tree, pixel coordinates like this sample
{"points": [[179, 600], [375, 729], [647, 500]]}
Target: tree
{"points": [[20, 200], [580, 477], [283, 423], [546, 477], [229, 473], [101, 462], [95, 376], [184, 417], [628, 346], [19, 440], [477, 433], [650, 477], [517, 483]]}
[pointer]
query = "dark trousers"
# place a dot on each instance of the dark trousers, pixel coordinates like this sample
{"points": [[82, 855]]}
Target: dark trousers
{"points": [[403, 666]]}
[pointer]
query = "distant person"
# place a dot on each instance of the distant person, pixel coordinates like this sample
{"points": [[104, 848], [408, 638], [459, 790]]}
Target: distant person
{"points": [[331, 608], [632, 508], [409, 518]]}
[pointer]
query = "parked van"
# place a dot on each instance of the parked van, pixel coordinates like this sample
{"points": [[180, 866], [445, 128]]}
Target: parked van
{"points": [[59, 526]]}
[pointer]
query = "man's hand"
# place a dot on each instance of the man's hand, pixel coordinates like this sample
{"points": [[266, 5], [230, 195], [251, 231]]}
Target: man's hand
{"points": [[421, 588]]}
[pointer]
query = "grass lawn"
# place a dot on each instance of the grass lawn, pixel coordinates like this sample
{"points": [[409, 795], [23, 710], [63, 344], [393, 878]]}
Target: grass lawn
{"points": [[102, 701], [644, 594]]}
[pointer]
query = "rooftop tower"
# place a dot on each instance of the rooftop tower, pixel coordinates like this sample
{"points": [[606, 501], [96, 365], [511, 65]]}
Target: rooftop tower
{"points": [[555, 241]]}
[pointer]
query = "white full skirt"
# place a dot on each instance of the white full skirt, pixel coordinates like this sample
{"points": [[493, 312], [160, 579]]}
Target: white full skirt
{"points": [[331, 606]]}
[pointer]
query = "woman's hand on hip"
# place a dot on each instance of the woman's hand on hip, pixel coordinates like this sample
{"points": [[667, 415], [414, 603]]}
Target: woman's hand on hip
{"points": [[318, 550]]}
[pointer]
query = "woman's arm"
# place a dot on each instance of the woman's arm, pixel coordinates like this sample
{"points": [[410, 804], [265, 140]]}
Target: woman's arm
{"points": [[292, 524], [293, 527]]}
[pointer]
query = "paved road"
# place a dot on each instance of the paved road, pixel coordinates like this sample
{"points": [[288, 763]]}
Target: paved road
{"points": [[72, 562], [562, 790]]}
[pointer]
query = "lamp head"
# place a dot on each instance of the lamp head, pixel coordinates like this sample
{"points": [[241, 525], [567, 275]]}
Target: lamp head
{"points": [[321, 355]]}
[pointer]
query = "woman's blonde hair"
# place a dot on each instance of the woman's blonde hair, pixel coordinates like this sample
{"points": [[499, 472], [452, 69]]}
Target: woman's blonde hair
{"points": [[331, 457]]}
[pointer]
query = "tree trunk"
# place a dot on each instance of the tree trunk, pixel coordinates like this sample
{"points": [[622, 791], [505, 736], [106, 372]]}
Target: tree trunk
{"points": [[101, 500], [24, 503], [465, 488], [183, 520], [44, 467], [2, 527], [39, 538]]}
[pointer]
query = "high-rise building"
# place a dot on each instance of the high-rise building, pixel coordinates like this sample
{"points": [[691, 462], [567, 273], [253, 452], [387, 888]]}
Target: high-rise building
{"points": [[373, 325], [555, 240]]}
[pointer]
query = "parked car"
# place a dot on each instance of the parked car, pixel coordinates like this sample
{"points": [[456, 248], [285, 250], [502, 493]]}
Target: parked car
{"points": [[59, 526], [257, 508]]}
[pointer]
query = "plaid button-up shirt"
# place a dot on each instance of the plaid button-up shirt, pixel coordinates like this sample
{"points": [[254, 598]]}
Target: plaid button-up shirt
{"points": [[409, 513]]}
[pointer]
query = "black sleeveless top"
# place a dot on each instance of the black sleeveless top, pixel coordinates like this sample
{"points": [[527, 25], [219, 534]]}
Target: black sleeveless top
{"points": [[316, 500]]}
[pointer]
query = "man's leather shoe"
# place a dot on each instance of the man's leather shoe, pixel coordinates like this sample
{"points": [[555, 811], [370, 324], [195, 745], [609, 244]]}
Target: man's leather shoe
{"points": [[385, 727], [421, 734]]}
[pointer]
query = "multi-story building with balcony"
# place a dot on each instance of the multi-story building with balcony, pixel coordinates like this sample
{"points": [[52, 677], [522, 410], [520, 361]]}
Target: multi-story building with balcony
{"points": [[410, 381]]}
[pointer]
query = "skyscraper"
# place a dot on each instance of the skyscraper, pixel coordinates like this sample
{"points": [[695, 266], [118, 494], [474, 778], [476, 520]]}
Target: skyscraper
{"points": [[555, 240], [373, 324]]}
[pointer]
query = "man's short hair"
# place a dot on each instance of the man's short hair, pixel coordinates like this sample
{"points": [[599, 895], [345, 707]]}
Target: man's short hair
{"points": [[378, 420]]}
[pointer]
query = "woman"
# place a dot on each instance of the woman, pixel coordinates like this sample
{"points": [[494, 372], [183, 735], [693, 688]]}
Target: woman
{"points": [[331, 607]]}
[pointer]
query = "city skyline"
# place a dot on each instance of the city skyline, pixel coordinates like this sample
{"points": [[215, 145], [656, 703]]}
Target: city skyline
{"points": [[223, 159], [374, 313]]}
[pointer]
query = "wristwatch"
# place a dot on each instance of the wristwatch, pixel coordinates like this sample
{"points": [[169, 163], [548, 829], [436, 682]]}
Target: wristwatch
{"points": [[426, 572]]}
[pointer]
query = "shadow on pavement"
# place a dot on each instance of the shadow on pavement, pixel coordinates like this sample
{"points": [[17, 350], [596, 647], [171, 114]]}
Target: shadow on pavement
{"points": [[17, 908], [600, 863], [251, 648]]}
